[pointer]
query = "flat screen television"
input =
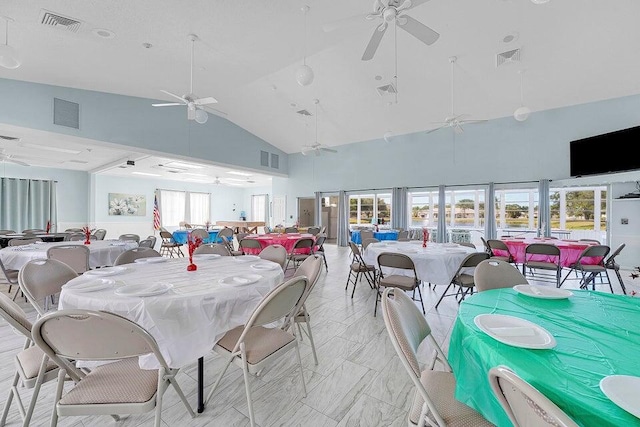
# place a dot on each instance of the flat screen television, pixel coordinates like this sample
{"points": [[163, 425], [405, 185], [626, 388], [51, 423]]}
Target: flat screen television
{"points": [[606, 153]]}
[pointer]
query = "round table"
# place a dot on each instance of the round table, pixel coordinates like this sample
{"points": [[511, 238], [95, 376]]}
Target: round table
{"points": [[180, 236], [380, 235], [287, 240], [570, 250], [597, 334]]}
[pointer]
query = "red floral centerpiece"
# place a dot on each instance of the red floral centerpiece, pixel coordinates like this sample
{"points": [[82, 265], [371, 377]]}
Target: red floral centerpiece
{"points": [[193, 243], [425, 236], [48, 229], [87, 234]]}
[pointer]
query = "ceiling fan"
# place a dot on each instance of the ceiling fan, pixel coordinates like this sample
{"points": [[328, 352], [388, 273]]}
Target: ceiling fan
{"points": [[4, 157], [316, 147], [388, 11], [454, 121], [196, 107]]}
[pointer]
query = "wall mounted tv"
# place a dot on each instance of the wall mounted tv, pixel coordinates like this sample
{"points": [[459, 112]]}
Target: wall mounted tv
{"points": [[606, 153]]}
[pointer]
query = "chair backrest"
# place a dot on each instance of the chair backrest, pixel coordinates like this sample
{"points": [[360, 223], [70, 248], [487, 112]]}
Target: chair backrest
{"points": [[74, 237], [129, 236], [494, 274], [227, 242], [310, 268], [33, 230], [228, 232], [313, 230], [275, 253], [323, 229], [590, 240], [595, 251], [73, 230], [470, 261], [166, 236], [149, 242], [9, 275], [40, 278], [407, 329], [320, 239], [291, 229], [20, 242], [240, 236], [523, 403], [367, 241], [610, 262], [200, 232], [7, 232], [91, 335], [467, 244], [396, 260], [249, 244], [542, 249], [75, 256], [357, 256], [100, 233], [129, 256], [212, 248], [366, 234], [15, 316], [487, 248], [303, 243], [497, 244]]}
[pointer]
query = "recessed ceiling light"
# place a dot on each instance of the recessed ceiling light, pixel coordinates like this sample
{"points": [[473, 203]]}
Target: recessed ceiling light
{"points": [[183, 165], [378, 77], [510, 37], [48, 148], [239, 173], [145, 174], [147, 45], [104, 33], [539, 1]]}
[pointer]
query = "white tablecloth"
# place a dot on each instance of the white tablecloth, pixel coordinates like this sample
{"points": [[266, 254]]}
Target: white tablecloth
{"points": [[101, 252], [191, 317], [437, 263]]}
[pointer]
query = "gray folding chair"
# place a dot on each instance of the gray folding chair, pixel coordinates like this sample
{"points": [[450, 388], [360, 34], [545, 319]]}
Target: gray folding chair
{"points": [[201, 233], [313, 230], [358, 269], [275, 253], [289, 230], [75, 256], [301, 249], [309, 268], [129, 236], [320, 239], [229, 244], [41, 278], [463, 280], [610, 263], [212, 248], [589, 272], [114, 388], [496, 274], [131, 255], [547, 269], [169, 247], [249, 244], [26, 241], [11, 276], [75, 237], [100, 233], [406, 283], [495, 244], [149, 242]]}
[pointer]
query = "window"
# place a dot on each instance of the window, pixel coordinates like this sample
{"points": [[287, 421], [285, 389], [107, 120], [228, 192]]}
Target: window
{"points": [[370, 208], [178, 206], [258, 207], [517, 209]]}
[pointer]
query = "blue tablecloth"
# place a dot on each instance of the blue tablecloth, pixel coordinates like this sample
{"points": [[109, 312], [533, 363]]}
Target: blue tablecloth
{"points": [[380, 235], [180, 236]]}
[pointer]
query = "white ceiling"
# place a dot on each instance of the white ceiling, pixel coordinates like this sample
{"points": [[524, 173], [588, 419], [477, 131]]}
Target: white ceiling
{"points": [[575, 51]]}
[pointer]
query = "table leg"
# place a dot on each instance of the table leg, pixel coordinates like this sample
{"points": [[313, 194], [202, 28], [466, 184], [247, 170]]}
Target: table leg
{"points": [[200, 385]]}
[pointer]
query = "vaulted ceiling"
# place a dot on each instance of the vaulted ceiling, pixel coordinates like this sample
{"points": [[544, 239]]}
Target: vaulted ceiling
{"points": [[574, 51]]}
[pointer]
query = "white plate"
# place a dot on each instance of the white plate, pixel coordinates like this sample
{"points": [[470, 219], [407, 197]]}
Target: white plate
{"points": [[241, 279], [391, 242], [206, 256], [515, 331], [150, 260], [89, 285], [143, 290], [455, 251], [624, 391], [109, 271], [265, 266], [543, 292], [246, 258], [450, 245], [408, 251]]}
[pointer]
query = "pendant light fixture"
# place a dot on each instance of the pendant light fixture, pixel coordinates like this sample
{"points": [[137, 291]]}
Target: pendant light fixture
{"points": [[522, 113], [9, 57], [304, 73]]}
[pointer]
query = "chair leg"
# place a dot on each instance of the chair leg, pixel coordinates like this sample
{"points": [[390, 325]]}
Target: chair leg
{"points": [[159, 394], [36, 391], [178, 389], [7, 404], [59, 387], [565, 277], [245, 373], [355, 281], [421, 302], [299, 330], [443, 295], [304, 385], [310, 335], [215, 386], [624, 290]]}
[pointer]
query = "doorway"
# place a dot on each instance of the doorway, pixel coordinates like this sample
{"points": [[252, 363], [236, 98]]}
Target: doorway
{"points": [[306, 211]]}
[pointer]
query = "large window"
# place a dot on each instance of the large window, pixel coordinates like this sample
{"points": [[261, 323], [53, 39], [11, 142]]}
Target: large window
{"points": [[370, 208], [184, 206]]}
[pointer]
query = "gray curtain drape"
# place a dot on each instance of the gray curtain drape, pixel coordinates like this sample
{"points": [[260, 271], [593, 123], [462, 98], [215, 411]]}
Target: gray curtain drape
{"points": [[399, 208], [490, 226], [267, 211], [318, 209], [343, 219], [442, 213], [27, 203], [544, 209]]}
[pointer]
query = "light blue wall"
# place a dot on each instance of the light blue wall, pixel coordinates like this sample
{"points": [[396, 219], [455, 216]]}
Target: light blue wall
{"points": [[134, 122], [501, 150], [72, 188]]}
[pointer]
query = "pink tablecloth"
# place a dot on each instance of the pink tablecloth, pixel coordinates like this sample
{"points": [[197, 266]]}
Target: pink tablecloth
{"points": [[287, 240], [570, 250]]}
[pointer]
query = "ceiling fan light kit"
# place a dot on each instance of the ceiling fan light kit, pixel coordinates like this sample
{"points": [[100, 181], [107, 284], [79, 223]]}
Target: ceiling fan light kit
{"points": [[304, 73], [9, 57], [316, 147]]}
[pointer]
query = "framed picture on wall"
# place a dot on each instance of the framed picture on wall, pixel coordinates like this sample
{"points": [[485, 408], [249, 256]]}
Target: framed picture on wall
{"points": [[127, 204]]}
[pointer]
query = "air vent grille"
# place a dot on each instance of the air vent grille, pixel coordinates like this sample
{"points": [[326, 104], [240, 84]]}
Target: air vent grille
{"points": [[9, 138], [51, 19], [264, 158], [387, 89], [66, 113], [304, 113], [508, 57], [275, 161]]}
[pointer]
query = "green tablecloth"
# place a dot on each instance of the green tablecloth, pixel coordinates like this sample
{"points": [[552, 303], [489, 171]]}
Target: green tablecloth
{"points": [[597, 334]]}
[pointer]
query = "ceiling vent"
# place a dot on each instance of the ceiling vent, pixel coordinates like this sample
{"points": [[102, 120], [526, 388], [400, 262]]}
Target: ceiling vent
{"points": [[304, 113], [9, 138], [170, 169], [389, 89], [51, 19], [508, 57]]}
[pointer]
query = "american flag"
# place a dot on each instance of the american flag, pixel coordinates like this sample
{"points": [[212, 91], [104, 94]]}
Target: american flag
{"points": [[156, 214]]}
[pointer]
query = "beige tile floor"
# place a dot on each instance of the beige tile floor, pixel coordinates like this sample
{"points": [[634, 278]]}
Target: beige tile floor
{"points": [[359, 380]]}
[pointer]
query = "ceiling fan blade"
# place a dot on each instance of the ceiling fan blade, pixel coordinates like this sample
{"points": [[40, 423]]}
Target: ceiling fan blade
{"points": [[418, 30], [10, 160], [458, 129], [376, 38], [205, 101], [350, 21], [329, 150], [473, 121], [168, 104], [214, 111], [409, 4], [166, 92], [434, 130]]}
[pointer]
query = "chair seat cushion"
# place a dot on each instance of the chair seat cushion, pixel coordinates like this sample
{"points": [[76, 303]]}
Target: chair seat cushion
{"points": [[542, 265], [398, 281], [118, 382], [260, 342], [502, 258], [30, 360], [465, 280], [440, 387], [356, 266], [593, 268]]}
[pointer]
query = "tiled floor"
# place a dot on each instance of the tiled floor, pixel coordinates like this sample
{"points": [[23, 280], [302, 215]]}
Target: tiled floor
{"points": [[359, 380]]}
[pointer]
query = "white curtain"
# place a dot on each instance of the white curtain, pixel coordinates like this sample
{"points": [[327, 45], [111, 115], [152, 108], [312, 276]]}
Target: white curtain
{"points": [[343, 219], [318, 208], [490, 226], [544, 209], [399, 206], [267, 214], [27, 203], [199, 208], [441, 236], [172, 207], [259, 207]]}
